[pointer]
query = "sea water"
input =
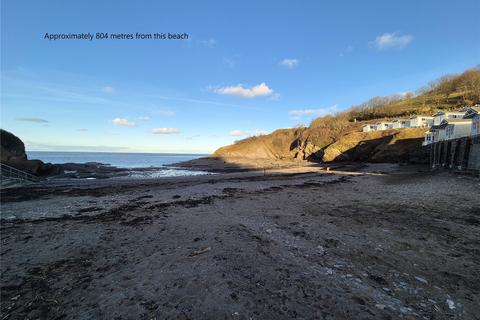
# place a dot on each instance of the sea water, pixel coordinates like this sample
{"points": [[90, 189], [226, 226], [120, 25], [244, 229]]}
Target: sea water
{"points": [[124, 160]]}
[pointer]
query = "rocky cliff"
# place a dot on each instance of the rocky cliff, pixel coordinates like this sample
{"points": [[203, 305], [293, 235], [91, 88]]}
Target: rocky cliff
{"points": [[281, 145], [401, 145], [13, 154], [12, 148]]}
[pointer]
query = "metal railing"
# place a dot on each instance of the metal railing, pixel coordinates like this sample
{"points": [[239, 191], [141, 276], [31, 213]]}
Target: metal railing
{"points": [[8, 172]]}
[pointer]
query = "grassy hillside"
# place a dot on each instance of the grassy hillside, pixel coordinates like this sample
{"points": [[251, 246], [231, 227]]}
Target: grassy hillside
{"points": [[447, 93], [338, 137]]}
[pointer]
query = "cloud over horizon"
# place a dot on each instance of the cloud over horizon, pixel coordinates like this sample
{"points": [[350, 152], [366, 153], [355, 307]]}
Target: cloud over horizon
{"points": [[32, 119], [289, 63], [123, 122], [165, 130], [259, 90], [391, 40]]}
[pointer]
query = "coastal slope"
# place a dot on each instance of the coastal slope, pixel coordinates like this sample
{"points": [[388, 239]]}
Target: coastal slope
{"points": [[338, 137], [296, 144]]}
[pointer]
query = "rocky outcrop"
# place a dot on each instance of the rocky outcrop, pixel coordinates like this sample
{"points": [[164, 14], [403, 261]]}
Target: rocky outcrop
{"points": [[283, 144], [401, 145], [13, 154], [12, 148]]}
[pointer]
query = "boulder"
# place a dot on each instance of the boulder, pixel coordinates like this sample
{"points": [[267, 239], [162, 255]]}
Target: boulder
{"points": [[13, 154], [12, 148]]}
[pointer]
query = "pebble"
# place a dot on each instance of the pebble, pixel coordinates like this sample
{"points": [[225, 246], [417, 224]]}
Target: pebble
{"points": [[450, 304], [380, 306], [421, 280], [268, 231], [405, 310]]}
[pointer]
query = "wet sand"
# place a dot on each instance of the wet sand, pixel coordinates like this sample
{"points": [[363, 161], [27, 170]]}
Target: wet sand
{"points": [[378, 242]]}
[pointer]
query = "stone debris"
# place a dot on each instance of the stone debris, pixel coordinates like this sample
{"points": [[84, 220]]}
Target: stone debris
{"points": [[204, 250], [421, 280], [321, 250], [450, 304]]}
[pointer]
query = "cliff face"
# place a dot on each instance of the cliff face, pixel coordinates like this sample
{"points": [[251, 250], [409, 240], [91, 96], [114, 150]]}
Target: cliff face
{"points": [[13, 154], [402, 145], [281, 145], [12, 148]]}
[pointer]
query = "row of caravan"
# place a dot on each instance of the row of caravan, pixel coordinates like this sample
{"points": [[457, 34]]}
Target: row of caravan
{"points": [[443, 125], [452, 126], [412, 122]]}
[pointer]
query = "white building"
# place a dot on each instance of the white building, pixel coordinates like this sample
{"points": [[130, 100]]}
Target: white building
{"points": [[446, 115], [401, 123], [457, 128], [421, 121], [435, 134], [429, 137], [384, 126], [369, 127]]}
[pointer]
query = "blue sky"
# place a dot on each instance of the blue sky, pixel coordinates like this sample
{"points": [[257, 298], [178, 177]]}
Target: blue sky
{"points": [[248, 67]]}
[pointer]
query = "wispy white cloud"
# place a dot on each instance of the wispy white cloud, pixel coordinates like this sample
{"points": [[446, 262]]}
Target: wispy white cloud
{"points": [[391, 40], [165, 130], [38, 146], [123, 122], [143, 118], [347, 50], [259, 90], [165, 113], [274, 97], [230, 62], [32, 119], [82, 130], [58, 92], [290, 63], [297, 113], [238, 133], [108, 89], [209, 42]]}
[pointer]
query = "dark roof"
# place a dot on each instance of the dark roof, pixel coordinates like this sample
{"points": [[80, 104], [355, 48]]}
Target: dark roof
{"points": [[471, 112]]}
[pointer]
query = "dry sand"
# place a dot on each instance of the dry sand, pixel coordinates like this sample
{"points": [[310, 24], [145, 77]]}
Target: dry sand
{"points": [[381, 242]]}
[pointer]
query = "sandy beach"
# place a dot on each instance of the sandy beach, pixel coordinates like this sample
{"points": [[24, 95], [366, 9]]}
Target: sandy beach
{"points": [[371, 242]]}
